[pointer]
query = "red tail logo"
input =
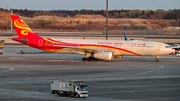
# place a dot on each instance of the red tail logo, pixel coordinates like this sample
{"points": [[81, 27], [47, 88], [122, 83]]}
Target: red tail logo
{"points": [[21, 28], [28, 37]]}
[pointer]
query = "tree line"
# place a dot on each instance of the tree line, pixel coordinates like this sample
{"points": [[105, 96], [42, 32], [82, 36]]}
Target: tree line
{"points": [[143, 14]]}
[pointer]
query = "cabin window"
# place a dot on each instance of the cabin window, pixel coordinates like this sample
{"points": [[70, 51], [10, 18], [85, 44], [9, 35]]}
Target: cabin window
{"points": [[168, 47]]}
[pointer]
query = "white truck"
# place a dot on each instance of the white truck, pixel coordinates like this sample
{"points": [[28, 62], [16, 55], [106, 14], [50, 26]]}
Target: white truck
{"points": [[178, 53], [1, 50], [69, 88]]}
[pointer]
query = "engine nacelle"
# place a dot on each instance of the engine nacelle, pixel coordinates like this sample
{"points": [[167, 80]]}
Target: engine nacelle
{"points": [[103, 55]]}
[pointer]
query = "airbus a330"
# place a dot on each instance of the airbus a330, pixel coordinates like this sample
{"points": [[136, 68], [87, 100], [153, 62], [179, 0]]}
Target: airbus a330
{"points": [[91, 49]]}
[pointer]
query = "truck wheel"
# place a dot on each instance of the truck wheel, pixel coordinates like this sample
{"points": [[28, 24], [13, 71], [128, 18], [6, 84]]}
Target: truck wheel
{"points": [[59, 94], [77, 95], [71, 94]]}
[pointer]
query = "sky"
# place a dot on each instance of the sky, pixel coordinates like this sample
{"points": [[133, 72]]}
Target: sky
{"points": [[94, 4]]}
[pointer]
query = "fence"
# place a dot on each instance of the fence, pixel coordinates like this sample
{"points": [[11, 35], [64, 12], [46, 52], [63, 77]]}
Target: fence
{"points": [[120, 32]]}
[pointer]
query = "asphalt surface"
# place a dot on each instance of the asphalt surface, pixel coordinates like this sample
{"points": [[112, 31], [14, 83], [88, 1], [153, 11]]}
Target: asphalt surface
{"points": [[27, 77]]}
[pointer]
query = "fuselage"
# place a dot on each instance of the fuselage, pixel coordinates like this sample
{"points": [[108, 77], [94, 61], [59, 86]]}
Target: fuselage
{"points": [[92, 49], [118, 47], [129, 48]]}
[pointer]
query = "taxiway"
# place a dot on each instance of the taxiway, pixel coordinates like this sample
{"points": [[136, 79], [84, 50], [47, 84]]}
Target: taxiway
{"points": [[27, 77]]}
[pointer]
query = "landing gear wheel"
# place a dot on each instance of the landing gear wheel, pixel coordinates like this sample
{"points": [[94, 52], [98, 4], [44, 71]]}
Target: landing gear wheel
{"points": [[95, 59], [156, 60], [84, 59], [89, 59]]}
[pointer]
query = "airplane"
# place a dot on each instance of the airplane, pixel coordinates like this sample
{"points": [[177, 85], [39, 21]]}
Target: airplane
{"points": [[1, 46], [92, 49], [125, 35], [176, 47]]}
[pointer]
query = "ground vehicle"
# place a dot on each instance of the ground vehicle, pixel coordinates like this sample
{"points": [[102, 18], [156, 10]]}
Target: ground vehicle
{"points": [[178, 53], [1, 50], [1, 46], [69, 88]]}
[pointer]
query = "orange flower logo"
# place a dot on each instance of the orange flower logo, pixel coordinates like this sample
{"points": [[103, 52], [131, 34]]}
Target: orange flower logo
{"points": [[22, 26]]}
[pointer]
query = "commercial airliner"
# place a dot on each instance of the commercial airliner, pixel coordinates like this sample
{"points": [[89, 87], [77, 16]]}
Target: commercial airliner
{"points": [[176, 47], [91, 49], [125, 35]]}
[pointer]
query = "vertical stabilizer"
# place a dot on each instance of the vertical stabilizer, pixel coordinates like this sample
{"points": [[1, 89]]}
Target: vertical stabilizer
{"points": [[125, 36], [22, 30]]}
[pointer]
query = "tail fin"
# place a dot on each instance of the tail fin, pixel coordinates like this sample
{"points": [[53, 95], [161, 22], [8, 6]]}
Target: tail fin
{"points": [[125, 36], [22, 30]]}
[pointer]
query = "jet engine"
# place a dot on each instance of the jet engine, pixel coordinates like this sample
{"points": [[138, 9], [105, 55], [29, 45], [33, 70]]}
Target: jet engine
{"points": [[103, 55]]}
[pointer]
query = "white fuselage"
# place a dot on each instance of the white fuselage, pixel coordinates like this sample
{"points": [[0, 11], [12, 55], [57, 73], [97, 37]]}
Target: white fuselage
{"points": [[120, 47]]}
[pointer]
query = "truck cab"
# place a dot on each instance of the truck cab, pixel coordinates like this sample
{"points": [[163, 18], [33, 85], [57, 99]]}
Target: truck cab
{"points": [[81, 91]]}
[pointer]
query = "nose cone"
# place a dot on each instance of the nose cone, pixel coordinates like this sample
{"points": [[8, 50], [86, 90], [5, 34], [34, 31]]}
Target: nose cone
{"points": [[166, 51]]}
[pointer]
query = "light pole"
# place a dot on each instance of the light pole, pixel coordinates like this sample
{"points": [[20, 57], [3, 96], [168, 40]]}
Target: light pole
{"points": [[106, 19], [11, 20]]}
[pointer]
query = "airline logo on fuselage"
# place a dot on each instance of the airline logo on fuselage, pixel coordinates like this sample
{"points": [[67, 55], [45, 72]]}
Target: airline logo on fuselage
{"points": [[138, 44], [110, 43], [120, 43]]}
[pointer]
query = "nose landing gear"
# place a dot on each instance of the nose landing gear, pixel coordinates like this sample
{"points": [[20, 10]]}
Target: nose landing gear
{"points": [[157, 59]]}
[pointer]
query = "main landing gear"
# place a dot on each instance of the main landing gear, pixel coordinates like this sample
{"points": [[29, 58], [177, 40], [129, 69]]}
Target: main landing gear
{"points": [[89, 59], [157, 59]]}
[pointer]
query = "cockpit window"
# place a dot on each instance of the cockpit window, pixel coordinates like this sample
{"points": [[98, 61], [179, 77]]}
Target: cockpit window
{"points": [[168, 47]]}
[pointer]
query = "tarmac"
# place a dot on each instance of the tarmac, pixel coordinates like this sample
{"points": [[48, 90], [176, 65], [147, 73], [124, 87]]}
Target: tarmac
{"points": [[27, 77]]}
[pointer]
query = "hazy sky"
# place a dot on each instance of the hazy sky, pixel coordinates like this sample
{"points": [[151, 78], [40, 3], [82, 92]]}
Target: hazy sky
{"points": [[94, 4]]}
